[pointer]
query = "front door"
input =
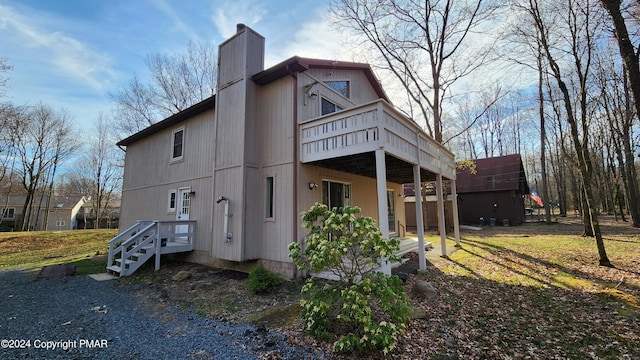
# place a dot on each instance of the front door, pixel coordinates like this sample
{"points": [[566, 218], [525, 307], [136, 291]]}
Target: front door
{"points": [[183, 208]]}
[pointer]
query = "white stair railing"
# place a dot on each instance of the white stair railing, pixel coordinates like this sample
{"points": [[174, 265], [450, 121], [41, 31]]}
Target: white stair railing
{"points": [[144, 239]]}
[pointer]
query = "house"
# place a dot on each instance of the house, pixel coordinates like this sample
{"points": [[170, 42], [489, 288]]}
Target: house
{"points": [[59, 213], [86, 217], [224, 181]]}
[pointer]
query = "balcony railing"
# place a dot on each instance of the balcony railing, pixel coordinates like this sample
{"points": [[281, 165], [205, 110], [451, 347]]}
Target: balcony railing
{"points": [[369, 127]]}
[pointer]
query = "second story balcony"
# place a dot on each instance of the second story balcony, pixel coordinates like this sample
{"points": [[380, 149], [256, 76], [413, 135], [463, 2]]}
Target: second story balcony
{"points": [[345, 137]]}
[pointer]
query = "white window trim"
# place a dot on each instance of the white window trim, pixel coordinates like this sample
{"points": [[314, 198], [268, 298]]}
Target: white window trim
{"points": [[6, 212], [339, 182], [174, 192], [173, 138]]}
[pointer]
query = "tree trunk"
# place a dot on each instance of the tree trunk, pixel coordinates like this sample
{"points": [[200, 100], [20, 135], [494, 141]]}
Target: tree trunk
{"points": [[631, 65]]}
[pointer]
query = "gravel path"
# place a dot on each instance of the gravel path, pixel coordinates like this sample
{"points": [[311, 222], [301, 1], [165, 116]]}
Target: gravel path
{"points": [[88, 319]]}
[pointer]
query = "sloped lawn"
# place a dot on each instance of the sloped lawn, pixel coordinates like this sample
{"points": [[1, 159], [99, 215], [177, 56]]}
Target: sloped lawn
{"points": [[85, 249]]}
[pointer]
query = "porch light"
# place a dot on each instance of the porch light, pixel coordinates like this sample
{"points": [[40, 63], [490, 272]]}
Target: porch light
{"points": [[312, 185]]}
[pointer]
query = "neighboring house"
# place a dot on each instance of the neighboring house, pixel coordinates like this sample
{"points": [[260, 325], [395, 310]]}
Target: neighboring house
{"points": [[241, 166], [86, 217], [59, 215]]}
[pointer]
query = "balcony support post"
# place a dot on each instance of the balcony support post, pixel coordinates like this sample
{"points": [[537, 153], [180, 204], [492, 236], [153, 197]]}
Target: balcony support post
{"points": [[417, 186], [454, 207], [383, 213], [441, 221]]}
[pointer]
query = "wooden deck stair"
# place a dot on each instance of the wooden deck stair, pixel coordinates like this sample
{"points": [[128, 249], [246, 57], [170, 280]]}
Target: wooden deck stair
{"points": [[133, 247]]}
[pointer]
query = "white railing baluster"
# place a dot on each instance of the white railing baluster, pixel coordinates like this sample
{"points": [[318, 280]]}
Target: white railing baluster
{"points": [[144, 239]]}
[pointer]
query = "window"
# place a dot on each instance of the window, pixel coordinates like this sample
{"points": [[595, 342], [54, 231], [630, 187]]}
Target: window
{"points": [[177, 144], [341, 87], [171, 203], [336, 195], [9, 213], [391, 210], [269, 213], [328, 107], [60, 223]]}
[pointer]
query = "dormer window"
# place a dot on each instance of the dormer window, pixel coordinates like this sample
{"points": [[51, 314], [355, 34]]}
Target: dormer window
{"points": [[341, 87], [329, 107]]}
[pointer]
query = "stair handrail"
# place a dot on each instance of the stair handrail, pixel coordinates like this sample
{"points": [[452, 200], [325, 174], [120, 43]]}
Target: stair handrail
{"points": [[135, 233], [132, 230], [149, 236]]}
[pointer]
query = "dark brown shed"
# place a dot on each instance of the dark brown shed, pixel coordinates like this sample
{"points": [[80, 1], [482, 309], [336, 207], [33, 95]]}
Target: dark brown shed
{"points": [[495, 193]]}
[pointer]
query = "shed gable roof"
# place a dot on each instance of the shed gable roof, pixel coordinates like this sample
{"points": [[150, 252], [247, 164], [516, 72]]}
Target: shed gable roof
{"points": [[494, 174]]}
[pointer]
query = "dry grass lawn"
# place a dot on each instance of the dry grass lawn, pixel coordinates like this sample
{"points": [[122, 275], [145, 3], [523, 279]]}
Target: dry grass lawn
{"points": [[35, 249]]}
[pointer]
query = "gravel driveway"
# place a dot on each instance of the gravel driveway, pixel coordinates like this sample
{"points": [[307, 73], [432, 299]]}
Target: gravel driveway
{"points": [[80, 318]]}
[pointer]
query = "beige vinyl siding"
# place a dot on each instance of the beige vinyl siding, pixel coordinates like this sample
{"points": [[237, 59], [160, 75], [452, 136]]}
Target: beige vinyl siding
{"points": [[148, 161], [276, 126], [231, 126], [150, 203], [228, 183], [363, 190], [236, 143], [277, 233], [276, 122], [359, 87], [149, 175], [253, 233]]}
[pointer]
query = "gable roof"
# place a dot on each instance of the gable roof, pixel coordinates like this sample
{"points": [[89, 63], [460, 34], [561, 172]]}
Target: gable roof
{"points": [[494, 174], [299, 64], [291, 65]]}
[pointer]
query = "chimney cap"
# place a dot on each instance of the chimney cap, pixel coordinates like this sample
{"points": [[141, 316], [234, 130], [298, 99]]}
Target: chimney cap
{"points": [[240, 27]]}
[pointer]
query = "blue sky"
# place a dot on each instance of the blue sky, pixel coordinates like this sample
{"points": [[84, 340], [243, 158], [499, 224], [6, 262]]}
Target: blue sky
{"points": [[71, 53]]}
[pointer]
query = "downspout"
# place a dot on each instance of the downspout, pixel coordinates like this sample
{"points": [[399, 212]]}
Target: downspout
{"points": [[295, 163]]}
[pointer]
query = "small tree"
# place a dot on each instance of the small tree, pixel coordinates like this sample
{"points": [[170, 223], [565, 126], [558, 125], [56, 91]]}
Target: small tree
{"points": [[366, 310]]}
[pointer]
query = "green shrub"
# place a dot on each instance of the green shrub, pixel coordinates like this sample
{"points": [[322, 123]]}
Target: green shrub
{"points": [[262, 281], [364, 311]]}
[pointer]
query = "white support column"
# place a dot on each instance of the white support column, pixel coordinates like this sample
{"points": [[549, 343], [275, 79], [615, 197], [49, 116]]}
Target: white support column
{"points": [[417, 184], [383, 212], [454, 207], [441, 222]]}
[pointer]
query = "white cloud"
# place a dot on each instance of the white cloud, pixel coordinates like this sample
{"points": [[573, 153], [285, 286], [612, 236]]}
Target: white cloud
{"points": [[230, 13], [178, 24], [67, 54]]}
